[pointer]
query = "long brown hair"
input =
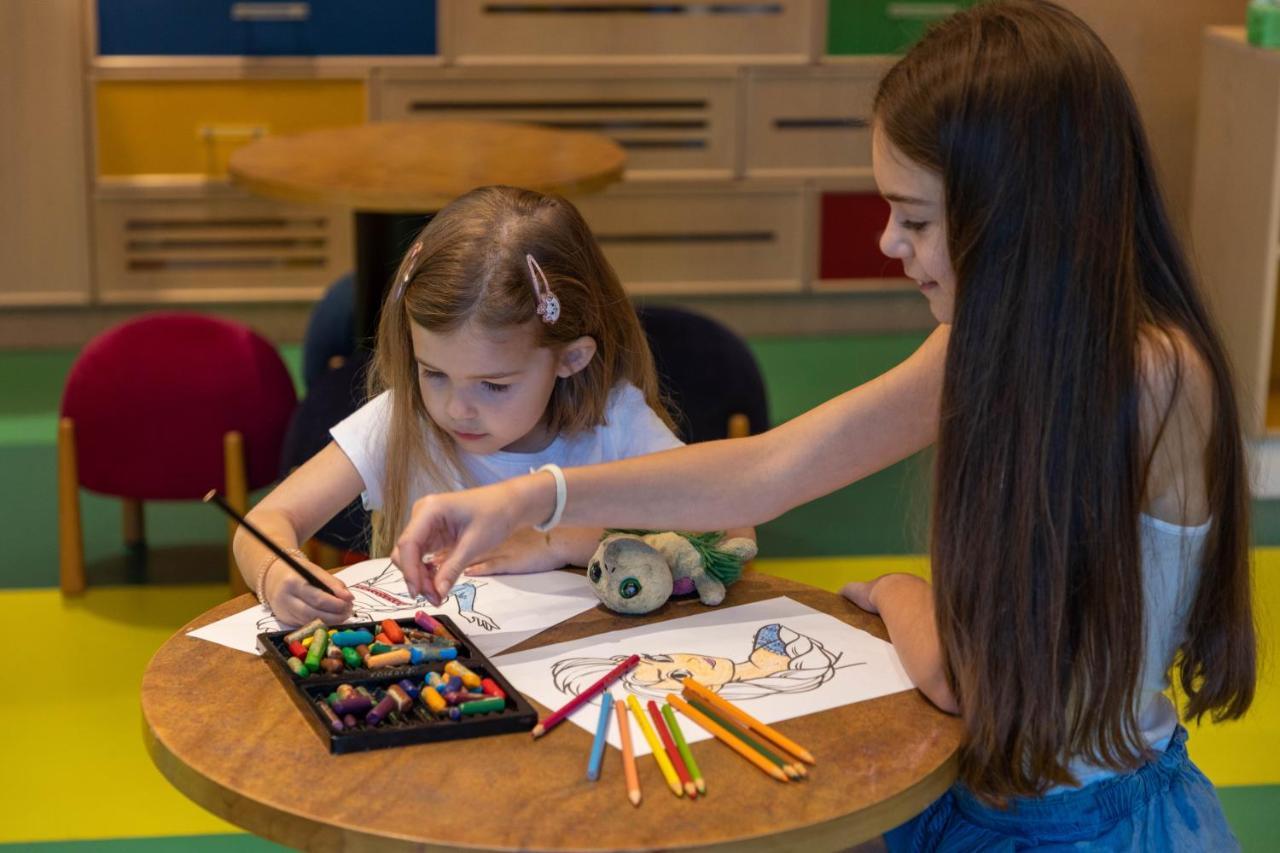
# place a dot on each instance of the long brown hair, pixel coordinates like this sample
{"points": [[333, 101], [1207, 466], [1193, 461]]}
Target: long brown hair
{"points": [[1064, 258], [470, 266]]}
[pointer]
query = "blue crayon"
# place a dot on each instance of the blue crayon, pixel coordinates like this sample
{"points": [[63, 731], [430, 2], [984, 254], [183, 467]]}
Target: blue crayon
{"points": [[351, 638], [422, 653], [602, 733], [453, 685]]}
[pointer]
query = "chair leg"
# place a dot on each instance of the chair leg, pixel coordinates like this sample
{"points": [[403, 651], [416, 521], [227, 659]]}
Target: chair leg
{"points": [[237, 485], [135, 526], [70, 541], [739, 426]]}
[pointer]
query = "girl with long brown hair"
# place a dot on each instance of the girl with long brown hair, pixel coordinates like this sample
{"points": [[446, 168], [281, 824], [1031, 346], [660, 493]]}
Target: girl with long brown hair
{"points": [[1090, 511], [505, 343]]}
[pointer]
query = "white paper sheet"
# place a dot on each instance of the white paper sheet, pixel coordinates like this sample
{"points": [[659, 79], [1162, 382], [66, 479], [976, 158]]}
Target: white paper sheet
{"points": [[777, 659], [496, 611]]}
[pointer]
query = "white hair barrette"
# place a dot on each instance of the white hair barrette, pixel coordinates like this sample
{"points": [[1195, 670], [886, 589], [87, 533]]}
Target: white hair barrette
{"points": [[406, 269], [548, 304]]}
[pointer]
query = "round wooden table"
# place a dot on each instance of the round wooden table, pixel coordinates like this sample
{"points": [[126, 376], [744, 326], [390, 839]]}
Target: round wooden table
{"points": [[222, 729], [394, 174]]}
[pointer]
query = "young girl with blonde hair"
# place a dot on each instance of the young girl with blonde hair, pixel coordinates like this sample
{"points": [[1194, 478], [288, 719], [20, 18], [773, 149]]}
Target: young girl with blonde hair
{"points": [[505, 343], [1090, 512]]}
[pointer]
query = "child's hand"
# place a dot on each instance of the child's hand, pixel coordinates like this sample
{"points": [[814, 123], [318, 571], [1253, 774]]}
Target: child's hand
{"points": [[524, 552], [296, 602]]}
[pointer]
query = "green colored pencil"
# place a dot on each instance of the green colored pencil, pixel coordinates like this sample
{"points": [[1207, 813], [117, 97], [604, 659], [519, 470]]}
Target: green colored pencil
{"points": [[737, 732], [669, 714]]}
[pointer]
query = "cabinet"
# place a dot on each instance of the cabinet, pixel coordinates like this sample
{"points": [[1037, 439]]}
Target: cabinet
{"points": [[1235, 213]]}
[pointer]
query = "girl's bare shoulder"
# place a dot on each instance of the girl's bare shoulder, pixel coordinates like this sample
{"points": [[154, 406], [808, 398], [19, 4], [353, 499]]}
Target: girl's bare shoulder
{"points": [[1176, 412]]}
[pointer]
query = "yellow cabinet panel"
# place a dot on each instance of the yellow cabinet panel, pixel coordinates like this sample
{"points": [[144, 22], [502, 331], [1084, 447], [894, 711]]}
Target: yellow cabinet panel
{"points": [[191, 127]]}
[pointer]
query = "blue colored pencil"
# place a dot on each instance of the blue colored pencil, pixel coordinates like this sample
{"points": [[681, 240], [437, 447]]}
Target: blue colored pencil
{"points": [[602, 733]]}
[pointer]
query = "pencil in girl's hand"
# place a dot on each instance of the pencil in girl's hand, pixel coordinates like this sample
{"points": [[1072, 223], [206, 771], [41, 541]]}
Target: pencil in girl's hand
{"points": [[628, 755], [742, 718], [682, 773], [214, 498], [602, 732], [655, 746], [669, 714], [728, 739], [585, 696], [792, 770]]}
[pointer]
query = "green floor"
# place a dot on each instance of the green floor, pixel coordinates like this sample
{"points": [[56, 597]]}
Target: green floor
{"points": [[881, 515]]}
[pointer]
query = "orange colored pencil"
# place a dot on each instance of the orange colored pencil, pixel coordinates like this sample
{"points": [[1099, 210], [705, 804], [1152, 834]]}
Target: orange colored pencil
{"points": [[628, 755], [742, 718], [669, 745], [728, 739]]}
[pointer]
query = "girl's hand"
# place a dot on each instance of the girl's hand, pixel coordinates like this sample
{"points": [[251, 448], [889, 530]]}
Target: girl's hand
{"points": [[526, 551], [296, 602], [458, 529], [868, 594]]}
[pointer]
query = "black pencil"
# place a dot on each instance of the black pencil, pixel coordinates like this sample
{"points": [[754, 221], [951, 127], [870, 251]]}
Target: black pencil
{"points": [[214, 497]]}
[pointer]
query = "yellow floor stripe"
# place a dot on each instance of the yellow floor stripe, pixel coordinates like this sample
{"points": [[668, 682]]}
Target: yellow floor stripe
{"points": [[79, 769]]}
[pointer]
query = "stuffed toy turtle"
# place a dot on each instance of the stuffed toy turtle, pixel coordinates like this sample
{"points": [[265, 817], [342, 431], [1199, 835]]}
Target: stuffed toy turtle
{"points": [[635, 571]]}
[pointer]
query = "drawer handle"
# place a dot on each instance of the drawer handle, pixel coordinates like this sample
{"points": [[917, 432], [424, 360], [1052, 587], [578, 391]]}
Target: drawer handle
{"points": [[920, 11], [270, 12], [217, 132], [821, 123]]}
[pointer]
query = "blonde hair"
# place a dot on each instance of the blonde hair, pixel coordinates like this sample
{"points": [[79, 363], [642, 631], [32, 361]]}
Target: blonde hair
{"points": [[471, 266]]}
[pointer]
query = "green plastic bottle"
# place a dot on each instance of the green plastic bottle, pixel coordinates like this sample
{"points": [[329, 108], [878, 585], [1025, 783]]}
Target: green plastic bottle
{"points": [[1263, 23]]}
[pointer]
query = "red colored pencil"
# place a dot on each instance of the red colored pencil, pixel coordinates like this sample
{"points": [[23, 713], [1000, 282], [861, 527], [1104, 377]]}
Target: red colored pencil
{"points": [[573, 704], [674, 754]]}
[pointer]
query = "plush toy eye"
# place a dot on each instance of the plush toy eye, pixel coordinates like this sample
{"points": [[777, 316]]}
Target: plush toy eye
{"points": [[629, 588], [594, 573]]}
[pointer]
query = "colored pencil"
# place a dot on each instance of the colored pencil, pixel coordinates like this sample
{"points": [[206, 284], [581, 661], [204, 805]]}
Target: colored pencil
{"points": [[743, 736], [745, 720], [216, 499], [587, 695], [628, 755], [655, 746], [602, 732], [728, 739], [682, 773], [669, 714]]}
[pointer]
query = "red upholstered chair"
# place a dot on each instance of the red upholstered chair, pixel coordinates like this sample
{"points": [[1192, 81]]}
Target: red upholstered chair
{"points": [[166, 407]]}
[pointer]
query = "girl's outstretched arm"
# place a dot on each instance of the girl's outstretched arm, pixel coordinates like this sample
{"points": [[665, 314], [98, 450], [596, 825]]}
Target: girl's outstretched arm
{"points": [[709, 486]]}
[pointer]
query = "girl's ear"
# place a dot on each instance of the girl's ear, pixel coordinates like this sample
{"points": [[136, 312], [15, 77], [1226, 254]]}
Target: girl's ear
{"points": [[575, 355]]}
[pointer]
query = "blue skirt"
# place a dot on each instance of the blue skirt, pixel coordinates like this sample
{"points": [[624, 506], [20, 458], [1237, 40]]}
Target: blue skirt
{"points": [[1166, 805]]}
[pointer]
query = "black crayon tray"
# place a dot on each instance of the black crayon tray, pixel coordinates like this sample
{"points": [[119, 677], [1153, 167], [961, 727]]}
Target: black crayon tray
{"points": [[517, 715], [273, 648]]}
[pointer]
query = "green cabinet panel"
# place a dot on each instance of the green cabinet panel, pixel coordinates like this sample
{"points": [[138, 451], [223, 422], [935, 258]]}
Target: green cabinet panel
{"points": [[883, 26]]}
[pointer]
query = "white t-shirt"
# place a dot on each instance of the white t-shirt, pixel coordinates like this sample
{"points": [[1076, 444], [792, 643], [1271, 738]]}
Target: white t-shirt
{"points": [[631, 428]]}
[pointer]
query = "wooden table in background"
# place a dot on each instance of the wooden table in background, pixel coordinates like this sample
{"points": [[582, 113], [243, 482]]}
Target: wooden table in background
{"points": [[395, 174], [222, 729]]}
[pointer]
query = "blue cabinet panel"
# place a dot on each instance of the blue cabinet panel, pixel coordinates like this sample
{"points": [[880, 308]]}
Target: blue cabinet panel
{"points": [[266, 27]]}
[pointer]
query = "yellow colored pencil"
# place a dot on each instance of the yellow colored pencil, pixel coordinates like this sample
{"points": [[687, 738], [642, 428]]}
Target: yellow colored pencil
{"points": [[659, 752], [742, 718], [628, 755], [728, 739]]}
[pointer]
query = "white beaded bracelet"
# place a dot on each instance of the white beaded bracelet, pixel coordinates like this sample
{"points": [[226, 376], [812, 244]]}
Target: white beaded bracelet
{"points": [[561, 495]]}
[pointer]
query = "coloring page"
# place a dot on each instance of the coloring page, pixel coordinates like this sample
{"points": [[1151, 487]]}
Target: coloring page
{"points": [[495, 611], [777, 659]]}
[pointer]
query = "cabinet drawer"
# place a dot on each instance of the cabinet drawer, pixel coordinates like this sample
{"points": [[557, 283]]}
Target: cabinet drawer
{"points": [[266, 27], [671, 240], [850, 225], [883, 26], [626, 30], [208, 249], [669, 127], [809, 123], [191, 127]]}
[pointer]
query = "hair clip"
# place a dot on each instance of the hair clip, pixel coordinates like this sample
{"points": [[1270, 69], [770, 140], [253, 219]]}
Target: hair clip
{"points": [[548, 304], [406, 270]]}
